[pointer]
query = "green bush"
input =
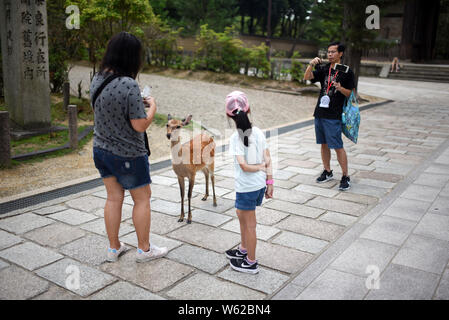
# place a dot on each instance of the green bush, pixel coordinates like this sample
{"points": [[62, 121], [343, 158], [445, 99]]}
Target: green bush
{"points": [[297, 69], [258, 60]]}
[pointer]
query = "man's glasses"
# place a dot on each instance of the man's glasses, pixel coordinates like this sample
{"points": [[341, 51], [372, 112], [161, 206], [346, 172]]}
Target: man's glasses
{"points": [[329, 52]]}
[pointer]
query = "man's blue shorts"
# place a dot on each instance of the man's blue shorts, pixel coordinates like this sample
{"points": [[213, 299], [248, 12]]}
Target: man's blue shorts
{"points": [[131, 173], [328, 131], [249, 200]]}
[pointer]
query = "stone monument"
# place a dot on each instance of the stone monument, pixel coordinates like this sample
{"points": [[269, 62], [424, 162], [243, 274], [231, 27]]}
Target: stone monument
{"points": [[24, 38]]}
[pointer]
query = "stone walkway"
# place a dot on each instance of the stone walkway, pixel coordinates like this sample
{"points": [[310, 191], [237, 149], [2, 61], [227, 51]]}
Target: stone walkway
{"points": [[389, 231]]}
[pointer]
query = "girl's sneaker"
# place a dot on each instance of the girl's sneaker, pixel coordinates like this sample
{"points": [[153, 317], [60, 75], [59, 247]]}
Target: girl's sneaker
{"points": [[243, 265], [113, 254], [154, 253], [235, 254]]}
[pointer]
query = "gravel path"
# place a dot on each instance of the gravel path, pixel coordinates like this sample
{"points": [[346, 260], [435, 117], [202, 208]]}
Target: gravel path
{"points": [[205, 101]]}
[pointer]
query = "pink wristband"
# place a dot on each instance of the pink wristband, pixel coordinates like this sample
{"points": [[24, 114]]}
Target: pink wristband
{"points": [[270, 181]]}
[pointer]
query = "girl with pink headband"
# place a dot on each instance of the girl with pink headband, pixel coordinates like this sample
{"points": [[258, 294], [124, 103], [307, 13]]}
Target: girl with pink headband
{"points": [[253, 179]]}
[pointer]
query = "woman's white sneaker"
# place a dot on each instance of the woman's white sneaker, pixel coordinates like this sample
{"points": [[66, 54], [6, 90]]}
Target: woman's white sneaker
{"points": [[154, 253], [113, 254]]}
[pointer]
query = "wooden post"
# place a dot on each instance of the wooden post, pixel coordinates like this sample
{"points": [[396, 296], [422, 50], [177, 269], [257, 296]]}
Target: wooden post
{"points": [[66, 91], [5, 139], [73, 126]]}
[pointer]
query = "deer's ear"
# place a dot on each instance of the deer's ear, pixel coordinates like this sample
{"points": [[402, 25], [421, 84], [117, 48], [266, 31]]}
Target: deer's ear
{"points": [[186, 121], [169, 117]]}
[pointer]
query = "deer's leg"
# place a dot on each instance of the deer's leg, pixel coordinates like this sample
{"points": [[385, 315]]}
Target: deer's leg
{"points": [[206, 175], [181, 188], [212, 178], [191, 184]]}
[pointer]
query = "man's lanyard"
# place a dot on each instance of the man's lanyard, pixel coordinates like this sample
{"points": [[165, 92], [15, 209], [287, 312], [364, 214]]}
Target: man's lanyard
{"points": [[329, 82]]}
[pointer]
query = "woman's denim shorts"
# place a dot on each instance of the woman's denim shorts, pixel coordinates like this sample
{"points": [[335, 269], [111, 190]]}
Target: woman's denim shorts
{"points": [[249, 200], [131, 173]]}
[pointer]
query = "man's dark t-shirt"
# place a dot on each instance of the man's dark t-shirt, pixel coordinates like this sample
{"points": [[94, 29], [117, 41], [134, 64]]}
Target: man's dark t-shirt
{"points": [[346, 80]]}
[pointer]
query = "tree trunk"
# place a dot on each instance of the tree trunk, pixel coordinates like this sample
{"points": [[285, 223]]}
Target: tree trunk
{"points": [[353, 55]]}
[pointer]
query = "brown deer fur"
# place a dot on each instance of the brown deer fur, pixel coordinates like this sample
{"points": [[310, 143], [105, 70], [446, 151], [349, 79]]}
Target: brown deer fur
{"points": [[190, 157]]}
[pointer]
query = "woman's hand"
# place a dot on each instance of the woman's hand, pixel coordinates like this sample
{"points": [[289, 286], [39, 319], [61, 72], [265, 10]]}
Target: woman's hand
{"points": [[149, 102], [269, 191]]}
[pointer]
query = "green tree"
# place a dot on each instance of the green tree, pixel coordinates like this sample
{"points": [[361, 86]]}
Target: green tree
{"points": [[101, 19]]}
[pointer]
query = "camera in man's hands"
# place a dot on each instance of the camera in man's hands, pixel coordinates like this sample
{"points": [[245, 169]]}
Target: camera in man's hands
{"points": [[341, 67]]}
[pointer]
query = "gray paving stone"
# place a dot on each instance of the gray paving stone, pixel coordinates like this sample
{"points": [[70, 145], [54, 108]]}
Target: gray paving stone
{"points": [[313, 228], [419, 192], [432, 180], [293, 208], [316, 190], [205, 260], [169, 207], [55, 235], [312, 172], [424, 253], [87, 203], [389, 230], [162, 223], [204, 287], [155, 275], [101, 194], [363, 253], [377, 183], [30, 256], [18, 284], [166, 181], [98, 227], [366, 190], [73, 217], [167, 193], [342, 206], [300, 163], [49, 210], [441, 205], [90, 279], [335, 285], [435, 226], [270, 255], [266, 280], [91, 250], [124, 291], [408, 209], [359, 198], [300, 242], [286, 184], [158, 240], [404, 283], [207, 237], [262, 232], [311, 180], [56, 293], [442, 292], [437, 168], [338, 218], [289, 292], [201, 189], [210, 218], [24, 222], [222, 204], [8, 240], [283, 174], [3, 264]]}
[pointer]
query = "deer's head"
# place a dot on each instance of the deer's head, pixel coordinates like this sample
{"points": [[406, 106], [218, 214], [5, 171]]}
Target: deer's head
{"points": [[174, 126]]}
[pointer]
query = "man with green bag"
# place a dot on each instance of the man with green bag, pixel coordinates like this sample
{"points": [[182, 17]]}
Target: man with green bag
{"points": [[337, 83]]}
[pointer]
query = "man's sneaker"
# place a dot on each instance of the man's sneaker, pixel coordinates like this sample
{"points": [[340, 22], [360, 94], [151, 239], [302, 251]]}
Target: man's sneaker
{"points": [[243, 265], [113, 254], [345, 183], [325, 176], [235, 254], [153, 253]]}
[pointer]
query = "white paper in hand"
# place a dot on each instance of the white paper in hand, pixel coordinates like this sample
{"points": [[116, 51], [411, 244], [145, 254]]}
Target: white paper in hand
{"points": [[146, 93]]}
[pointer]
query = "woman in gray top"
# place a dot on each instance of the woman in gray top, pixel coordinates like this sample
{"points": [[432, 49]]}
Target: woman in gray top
{"points": [[120, 154]]}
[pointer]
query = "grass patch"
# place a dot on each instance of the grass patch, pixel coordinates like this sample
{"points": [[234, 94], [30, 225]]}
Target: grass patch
{"points": [[59, 114], [41, 142]]}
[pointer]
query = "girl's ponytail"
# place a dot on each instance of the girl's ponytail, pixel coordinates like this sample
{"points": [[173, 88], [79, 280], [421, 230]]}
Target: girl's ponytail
{"points": [[244, 126]]}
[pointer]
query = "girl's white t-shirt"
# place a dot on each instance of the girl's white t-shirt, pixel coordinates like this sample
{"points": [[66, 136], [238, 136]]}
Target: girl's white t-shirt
{"points": [[249, 181]]}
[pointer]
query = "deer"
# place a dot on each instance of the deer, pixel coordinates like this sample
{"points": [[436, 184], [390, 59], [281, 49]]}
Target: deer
{"points": [[189, 158]]}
